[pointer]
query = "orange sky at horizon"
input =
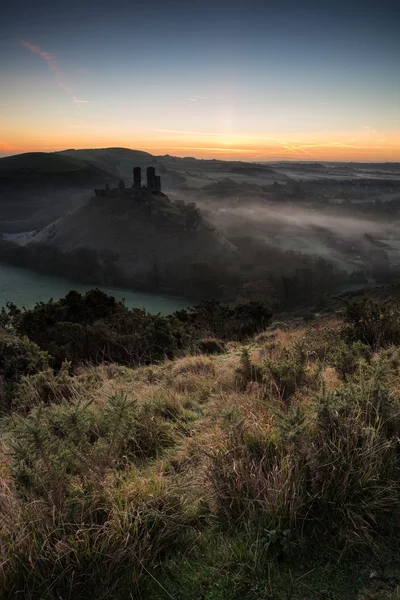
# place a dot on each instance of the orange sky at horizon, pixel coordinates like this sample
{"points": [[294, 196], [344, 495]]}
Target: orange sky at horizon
{"points": [[364, 144]]}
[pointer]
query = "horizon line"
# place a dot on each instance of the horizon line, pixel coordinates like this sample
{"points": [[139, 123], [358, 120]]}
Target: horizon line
{"points": [[272, 160]]}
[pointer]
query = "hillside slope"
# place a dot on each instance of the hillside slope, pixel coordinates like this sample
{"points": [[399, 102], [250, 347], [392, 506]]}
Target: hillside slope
{"points": [[120, 162], [147, 245], [266, 470], [38, 187]]}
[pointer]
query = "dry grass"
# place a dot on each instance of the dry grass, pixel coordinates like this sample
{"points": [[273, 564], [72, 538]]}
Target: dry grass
{"points": [[198, 365], [314, 456]]}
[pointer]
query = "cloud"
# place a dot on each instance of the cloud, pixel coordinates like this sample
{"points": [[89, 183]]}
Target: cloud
{"points": [[58, 73], [75, 99], [198, 98], [36, 50]]}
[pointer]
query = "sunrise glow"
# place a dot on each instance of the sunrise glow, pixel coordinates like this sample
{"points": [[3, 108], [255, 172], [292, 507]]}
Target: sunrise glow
{"points": [[287, 93]]}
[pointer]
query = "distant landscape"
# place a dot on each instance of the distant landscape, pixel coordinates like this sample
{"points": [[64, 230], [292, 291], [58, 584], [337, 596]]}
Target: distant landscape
{"points": [[262, 228]]}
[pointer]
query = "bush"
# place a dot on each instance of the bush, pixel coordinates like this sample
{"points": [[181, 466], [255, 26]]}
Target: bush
{"points": [[96, 328], [374, 323], [18, 357], [287, 373], [248, 371], [334, 474], [228, 322], [55, 446], [47, 387], [346, 358]]}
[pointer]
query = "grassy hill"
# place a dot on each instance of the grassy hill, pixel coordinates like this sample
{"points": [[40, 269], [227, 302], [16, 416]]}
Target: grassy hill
{"points": [[120, 162], [143, 250], [177, 172], [246, 468], [42, 167], [39, 161], [38, 187]]}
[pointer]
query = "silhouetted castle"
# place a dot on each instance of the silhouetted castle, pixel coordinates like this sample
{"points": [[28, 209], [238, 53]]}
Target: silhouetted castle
{"points": [[158, 205], [153, 183], [153, 180]]}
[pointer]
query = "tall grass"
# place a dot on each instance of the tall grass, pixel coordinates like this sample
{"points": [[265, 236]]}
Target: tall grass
{"points": [[333, 472], [204, 469]]}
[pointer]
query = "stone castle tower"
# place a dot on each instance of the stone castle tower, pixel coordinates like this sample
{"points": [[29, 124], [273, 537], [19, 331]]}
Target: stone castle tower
{"points": [[153, 180], [137, 178]]}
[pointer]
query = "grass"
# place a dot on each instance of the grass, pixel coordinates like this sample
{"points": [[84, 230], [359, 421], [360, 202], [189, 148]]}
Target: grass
{"points": [[266, 471]]}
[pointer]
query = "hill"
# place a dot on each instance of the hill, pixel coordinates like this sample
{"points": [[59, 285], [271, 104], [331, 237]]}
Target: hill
{"points": [[256, 461], [177, 172], [120, 161], [142, 240], [38, 187]]}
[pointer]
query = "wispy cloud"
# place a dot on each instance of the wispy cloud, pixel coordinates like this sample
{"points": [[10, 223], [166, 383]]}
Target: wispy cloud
{"points": [[58, 73], [198, 98], [75, 99]]}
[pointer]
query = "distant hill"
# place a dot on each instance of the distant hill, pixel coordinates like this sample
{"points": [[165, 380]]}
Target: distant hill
{"points": [[120, 162], [44, 162], [253, 170], [38, 187], [44, 167]]}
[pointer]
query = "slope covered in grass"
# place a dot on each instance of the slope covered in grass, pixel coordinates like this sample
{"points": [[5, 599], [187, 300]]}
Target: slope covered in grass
{"points": [[267, 469], [43, 161]]}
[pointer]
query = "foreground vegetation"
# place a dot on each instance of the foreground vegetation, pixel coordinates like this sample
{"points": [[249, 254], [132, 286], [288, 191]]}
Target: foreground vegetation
{"points": [[249, 460]]}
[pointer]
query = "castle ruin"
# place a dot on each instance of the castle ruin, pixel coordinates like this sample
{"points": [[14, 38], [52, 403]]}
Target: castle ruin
{"points": [[154, 201]]}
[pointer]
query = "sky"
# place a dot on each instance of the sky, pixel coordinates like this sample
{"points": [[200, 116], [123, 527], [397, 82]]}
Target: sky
{"points": [[247, 80]]}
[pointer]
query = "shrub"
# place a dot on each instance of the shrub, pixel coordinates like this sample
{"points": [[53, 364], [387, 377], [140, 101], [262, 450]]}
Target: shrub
{"points": [[287, 373], [309, 316], [18, 357], [47, 387], [374, 323], [248, 371], [346, 358], [56, 445], [96, 328], [334, 474], [228, 322]]}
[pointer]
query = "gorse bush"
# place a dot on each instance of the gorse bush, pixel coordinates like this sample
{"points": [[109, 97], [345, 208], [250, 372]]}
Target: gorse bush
{"points": [[371, 322], [227, 322], [337, 471], [19, 356], [96, 328], [287, 372], [46, 387], [56, 445], [211, 346], [346, 357]]}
